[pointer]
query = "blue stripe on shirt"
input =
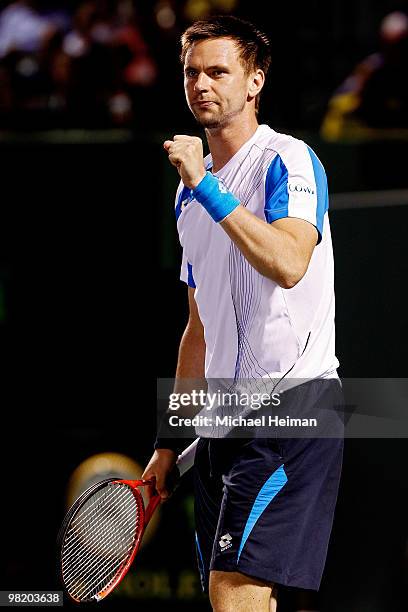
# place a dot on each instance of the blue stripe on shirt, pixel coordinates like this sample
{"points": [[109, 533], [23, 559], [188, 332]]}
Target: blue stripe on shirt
{"points": [[184, 195], [190, 277], [276, 191], [322, 191]]}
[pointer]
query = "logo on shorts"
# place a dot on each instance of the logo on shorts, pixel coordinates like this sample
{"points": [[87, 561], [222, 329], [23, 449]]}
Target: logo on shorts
{"points": [[225, 542]]}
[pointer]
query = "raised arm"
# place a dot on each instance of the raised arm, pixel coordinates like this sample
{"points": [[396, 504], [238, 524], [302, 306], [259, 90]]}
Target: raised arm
{"points": [[280, 250]]}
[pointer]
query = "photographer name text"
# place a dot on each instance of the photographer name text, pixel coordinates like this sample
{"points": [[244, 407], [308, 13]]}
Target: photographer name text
{"points": [[240, 421]]}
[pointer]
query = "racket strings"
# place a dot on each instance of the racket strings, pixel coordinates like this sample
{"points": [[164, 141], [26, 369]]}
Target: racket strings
{"points": [[101, 582], [85, 530], [77, 561], [99, 568], [87, 510], [82, 565], [92, 548], [99, 541], [93, 535]]}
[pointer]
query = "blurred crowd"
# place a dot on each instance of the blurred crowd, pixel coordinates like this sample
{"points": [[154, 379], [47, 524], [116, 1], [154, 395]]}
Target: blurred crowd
{"points": [[90, 63], [71, 65], [107, 63], [373, 99]]}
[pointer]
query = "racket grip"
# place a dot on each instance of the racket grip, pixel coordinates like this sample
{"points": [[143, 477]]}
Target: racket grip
{"points": [[185, 461]]}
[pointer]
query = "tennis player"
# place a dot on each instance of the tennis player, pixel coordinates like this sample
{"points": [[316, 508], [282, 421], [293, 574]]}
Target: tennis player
{"points": [[257, 259]]}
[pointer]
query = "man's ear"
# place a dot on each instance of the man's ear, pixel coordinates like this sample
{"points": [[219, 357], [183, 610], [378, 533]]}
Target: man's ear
{"points": [[256, 82]]}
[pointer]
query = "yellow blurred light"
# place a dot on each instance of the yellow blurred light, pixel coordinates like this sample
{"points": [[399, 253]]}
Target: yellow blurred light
{"points": [[226, 6], [197, 9], [107, 465]]}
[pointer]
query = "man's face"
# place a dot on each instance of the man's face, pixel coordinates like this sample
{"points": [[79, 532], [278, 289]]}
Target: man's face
{"points": [[215, 82]]}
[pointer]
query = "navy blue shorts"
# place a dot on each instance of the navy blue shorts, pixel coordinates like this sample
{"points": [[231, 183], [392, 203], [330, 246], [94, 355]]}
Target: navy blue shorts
{"points": [[264, 507]]}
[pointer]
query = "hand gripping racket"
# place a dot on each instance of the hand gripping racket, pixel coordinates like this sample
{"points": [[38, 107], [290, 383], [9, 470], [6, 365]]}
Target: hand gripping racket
{"points": [[102, 532]]}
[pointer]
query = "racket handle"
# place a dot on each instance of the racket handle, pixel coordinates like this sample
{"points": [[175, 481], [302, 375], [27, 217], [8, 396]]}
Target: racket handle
{"points": [[185, 461], [151, 506]]}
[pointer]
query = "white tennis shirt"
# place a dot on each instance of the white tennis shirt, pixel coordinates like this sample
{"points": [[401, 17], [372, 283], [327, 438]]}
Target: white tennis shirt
{"points": [[253, 328]]}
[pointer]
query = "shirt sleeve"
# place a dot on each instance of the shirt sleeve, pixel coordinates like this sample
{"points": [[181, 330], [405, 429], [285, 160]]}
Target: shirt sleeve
{"points": [[186, 272], [296, 186]]}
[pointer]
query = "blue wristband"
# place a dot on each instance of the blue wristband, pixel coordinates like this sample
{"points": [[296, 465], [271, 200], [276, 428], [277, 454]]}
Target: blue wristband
{"points": [[215, 197]]}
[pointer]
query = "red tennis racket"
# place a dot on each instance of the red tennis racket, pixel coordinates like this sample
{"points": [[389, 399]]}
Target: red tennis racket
{"points": [[102, 532]]}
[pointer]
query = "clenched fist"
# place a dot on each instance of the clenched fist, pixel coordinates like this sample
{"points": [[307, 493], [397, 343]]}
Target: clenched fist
{"points": [[186, 153]]}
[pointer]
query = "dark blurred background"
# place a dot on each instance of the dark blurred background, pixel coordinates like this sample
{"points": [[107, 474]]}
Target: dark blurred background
{"points": [[91, 309]]}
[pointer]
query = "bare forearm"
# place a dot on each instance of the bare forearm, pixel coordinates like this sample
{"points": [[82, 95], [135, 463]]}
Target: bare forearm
{"points": [[189, 378], [273, 252], [190, 372], [191, 356]]}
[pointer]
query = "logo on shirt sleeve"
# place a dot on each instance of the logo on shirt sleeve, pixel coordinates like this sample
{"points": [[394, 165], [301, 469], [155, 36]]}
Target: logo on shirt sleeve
{"points": [[298, 187]]}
